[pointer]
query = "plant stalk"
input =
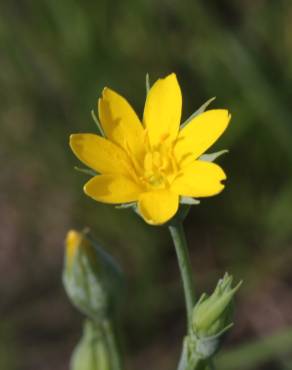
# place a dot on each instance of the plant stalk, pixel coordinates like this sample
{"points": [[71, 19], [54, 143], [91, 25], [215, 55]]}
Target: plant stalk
{"points": [[181, 248], [112, 342]]}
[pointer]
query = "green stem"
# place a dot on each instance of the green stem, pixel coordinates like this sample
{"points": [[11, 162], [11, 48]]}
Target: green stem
{"points": [[190, 361], [180, 243], [211, 365], [111, 338], [181, 247]]}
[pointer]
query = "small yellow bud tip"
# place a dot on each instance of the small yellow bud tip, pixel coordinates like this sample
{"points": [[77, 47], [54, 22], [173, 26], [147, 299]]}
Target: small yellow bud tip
{"points": [[73, 241]]}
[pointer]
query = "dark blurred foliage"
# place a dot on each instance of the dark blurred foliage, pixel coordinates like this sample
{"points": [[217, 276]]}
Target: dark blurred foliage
{"points": [[55, 57]]}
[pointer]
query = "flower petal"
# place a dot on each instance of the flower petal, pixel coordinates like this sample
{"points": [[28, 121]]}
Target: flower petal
{"points": [[200, 179], [157, 207], [99, 153], [119, 121], [162, 110], [112, 189], [201, 133]]}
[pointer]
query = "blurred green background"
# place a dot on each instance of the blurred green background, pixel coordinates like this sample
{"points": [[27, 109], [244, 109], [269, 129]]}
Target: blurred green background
{"points": [[55, 58]]}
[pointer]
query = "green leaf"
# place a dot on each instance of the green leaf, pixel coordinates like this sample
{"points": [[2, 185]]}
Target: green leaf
{"points": [[147, 83], [98, 125], [210, 157], [126, 205], [198, 111], [87, 171], [189, 200]]}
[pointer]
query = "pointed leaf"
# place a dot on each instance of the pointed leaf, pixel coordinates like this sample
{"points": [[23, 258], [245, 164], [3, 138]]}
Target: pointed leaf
{"points": [[98, 125], [126, 205], [197, 112], [210, 157], [147, 83], [87, 171], [189, 200]]}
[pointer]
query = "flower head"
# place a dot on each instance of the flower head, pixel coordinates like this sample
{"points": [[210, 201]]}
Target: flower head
{"points": [[153, 163]]}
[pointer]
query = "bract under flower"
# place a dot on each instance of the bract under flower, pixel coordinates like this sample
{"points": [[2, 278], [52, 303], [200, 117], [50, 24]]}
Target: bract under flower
{"points": [[153, 162]]}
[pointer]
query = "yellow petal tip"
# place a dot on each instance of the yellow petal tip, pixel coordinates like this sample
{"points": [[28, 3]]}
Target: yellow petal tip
{"points": [[85, 189], [72, 139]]}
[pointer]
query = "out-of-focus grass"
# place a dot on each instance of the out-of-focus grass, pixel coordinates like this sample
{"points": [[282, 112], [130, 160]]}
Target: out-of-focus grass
{"points": [[55, 59], [256, 352]]}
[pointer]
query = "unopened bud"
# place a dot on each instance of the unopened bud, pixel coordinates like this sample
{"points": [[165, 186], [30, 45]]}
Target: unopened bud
{"points": [[212, 316], [91, 278]]}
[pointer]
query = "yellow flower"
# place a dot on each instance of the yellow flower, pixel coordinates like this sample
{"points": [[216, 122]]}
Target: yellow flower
{"points": [[153, 163]]}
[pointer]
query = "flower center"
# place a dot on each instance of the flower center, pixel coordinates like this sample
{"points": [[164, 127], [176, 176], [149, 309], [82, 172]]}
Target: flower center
{"points": [[159, 167]]}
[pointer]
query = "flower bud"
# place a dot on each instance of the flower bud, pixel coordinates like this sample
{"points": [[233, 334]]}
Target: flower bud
{"points": [[212, 316], [91, 352], [212, 313], [91, 278]]}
